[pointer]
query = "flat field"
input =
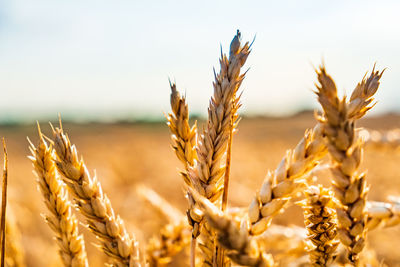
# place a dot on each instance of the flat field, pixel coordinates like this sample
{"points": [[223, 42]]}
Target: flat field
{"points": [[126, 155]]}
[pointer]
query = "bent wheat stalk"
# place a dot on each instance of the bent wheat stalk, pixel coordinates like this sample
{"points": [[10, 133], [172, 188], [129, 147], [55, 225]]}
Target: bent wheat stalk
{"points": [[95, 205], [346, 153], [242, 248], [62, 221]]}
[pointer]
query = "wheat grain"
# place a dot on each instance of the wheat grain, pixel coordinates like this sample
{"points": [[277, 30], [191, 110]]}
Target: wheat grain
{"points": [[345, 150], [62, 221], [320, 221], [95, 205]]}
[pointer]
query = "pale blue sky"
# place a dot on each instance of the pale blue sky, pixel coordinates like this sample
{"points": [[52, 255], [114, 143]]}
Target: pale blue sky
{"points": [[113, 58]]}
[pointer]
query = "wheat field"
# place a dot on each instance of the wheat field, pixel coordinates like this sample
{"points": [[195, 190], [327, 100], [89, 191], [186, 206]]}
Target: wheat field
{"points": [[127, 155]]}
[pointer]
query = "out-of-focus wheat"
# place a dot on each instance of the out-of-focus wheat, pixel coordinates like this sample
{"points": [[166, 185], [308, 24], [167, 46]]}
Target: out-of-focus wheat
{"points": [[383, 214], [381, 139], [15, 255], [95, 205], [62, 221], [173, 238], [346, 153], [320, 221]]}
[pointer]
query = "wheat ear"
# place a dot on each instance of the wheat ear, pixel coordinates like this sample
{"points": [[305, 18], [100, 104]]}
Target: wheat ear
{"points": [[383, 214], [346, 153], [184, 137], [280, 185], [242, 248], [320, 221], [61, 219], [95, 205], [207, 176]]}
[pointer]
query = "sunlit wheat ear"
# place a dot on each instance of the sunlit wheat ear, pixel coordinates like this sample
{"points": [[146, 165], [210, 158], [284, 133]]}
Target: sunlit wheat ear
{"points": [[61, 219], [288, 178], [241, 247], [321, 224], [207, 176], [95, 205], [184, 136], [346, 153]]}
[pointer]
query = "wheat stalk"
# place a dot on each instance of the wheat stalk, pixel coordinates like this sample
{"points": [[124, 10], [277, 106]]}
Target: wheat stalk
{"points": [[346, 151], [4, 204], [241, 247], [61, 219], [320, 221], [95, 205]]}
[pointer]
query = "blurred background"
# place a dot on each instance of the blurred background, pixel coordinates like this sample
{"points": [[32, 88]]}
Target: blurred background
{"points": [[105, 67]]}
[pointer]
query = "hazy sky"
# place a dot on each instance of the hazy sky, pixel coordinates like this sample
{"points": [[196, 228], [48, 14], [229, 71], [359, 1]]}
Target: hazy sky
{"points": [[113, 58]]}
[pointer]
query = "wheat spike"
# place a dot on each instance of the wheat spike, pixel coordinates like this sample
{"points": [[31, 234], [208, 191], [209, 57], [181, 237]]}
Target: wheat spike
{"points": [[61, 219], [320, 221], [241, 247], [184, 137], [207, 175], [280, 185], [95, 205], [346, 153]]}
